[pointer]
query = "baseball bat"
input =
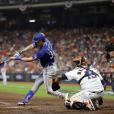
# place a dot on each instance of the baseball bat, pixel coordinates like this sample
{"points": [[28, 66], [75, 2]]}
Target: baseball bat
{"points": [[8, 59]]}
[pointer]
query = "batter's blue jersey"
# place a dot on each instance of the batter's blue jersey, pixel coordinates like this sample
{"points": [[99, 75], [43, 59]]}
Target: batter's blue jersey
{"points": [[45, 54]]}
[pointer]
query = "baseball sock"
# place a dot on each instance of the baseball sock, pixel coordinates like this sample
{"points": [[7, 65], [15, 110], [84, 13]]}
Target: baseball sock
{"points": [[28, 96]]}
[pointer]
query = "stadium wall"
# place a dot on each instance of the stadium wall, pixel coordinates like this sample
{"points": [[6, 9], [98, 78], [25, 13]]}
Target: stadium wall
{"points": [[30, 77]]}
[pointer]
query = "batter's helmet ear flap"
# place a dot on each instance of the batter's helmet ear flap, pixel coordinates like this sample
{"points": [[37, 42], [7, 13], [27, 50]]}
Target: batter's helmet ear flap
{"points": [[38, 36]]}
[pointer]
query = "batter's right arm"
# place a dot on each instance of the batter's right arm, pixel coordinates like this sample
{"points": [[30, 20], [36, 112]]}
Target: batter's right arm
{"points": [[18, 53], [29, 47]]}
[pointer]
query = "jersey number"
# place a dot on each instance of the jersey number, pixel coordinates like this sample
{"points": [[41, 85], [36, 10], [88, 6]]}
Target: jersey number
{"points": [[51, 54], [92, 76]]}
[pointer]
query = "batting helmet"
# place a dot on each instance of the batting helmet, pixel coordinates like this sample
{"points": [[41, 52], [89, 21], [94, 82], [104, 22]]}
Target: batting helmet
{"points": [[38, 36]]}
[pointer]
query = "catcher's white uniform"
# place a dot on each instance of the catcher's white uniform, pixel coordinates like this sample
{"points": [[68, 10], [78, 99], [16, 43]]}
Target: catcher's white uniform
{"points": [[90, 83]]}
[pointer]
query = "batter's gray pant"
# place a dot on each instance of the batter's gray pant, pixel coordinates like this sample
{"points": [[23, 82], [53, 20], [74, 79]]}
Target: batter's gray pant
{"points": [[38, 82]]}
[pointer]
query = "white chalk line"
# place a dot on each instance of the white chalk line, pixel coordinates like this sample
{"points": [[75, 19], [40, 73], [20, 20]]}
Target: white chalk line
{"points": [[5, 103]]}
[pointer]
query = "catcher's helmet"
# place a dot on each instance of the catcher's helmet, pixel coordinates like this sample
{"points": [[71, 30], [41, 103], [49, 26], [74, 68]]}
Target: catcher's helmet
{"points": [[38, 36], [80, 61]]}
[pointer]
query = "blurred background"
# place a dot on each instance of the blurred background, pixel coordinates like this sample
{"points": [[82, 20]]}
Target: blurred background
{"points": [[74, 27]]}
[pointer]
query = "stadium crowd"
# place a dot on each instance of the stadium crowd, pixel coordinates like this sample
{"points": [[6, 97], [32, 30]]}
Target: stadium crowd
{"points": [[67, 43]]}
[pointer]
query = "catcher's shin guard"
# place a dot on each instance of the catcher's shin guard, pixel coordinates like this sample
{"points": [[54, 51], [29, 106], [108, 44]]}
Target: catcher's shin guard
{"points": [[67, 105], [67, 101], [100, 100]]}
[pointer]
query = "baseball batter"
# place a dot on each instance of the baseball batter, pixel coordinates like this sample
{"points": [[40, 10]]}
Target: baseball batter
{"points": [[46, 56], [90, 83]]}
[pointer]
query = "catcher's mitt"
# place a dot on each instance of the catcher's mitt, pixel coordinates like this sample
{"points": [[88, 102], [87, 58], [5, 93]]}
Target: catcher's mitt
{"points": [[55, 85]]}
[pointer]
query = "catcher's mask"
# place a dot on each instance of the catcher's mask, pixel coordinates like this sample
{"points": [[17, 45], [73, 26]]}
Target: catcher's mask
{"points": [[80, 61]]}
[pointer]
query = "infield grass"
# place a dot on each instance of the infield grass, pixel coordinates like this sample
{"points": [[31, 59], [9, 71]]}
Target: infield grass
{"points": [[24, 87]]}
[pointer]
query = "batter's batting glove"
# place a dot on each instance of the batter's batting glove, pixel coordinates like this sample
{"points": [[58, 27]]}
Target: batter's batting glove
{"points": [[17, 54], [18, 58], [55, 86], [15, 58]]}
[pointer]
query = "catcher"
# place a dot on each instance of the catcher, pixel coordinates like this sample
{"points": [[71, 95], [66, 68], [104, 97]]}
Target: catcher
{"points": [[90, 82]]}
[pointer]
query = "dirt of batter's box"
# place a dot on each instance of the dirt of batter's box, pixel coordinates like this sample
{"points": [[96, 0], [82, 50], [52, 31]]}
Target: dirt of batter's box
{"points": [[8, 105]]}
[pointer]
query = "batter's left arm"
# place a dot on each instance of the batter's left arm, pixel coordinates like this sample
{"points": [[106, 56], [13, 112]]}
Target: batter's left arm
{"points": [[26, 59], [29, 47]]}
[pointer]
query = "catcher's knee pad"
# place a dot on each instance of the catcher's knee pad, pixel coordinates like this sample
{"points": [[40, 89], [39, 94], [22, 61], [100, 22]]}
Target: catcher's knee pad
{"points": [[78, 105]]}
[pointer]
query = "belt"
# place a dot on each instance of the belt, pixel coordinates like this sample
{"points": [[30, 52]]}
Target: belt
{"points": [[50, 64], [97, 92]]}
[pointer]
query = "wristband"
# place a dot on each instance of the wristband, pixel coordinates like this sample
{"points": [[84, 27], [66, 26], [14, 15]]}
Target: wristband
{"points": [[18, 58]]}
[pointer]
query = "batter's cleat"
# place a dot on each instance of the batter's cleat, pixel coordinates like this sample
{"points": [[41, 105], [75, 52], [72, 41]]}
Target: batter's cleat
{"points": [[90, 105], [26, 99], [21, 103]]}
